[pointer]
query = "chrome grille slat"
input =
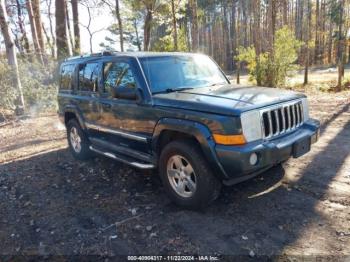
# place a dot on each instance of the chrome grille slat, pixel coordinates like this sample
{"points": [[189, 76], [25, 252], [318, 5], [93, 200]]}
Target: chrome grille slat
{"points": [[270, 124], [280, 119], [289, 119], [301, 112], [293, 113], [283, 120], [277, 121], [298, 114]]}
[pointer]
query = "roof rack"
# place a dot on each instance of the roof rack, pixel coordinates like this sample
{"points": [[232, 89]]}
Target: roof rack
{"points": [[103, 53]]}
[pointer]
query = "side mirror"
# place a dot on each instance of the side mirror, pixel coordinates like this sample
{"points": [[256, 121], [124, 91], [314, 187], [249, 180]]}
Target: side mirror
{"points": [[127, 93]]}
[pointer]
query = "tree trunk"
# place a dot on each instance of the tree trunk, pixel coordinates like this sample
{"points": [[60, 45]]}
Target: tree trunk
{"points": [[285, 12], [69, 32], [22, 27], [272, 8], [76, 28], [120, 25], [48, 40], [306, 70], [61, 32], [330, 44], [272, 28], [211, 42], [256, 25], [90, 41], [174, 24], [194, 25], [323, 37], [37, 20], [34, 32], [11, 55], [308, 37], [233, 34], [227, 46], [245, 23], [53, 52], [147, 30], [299, 23], [138, 42], [317, 34], [340, 47]]}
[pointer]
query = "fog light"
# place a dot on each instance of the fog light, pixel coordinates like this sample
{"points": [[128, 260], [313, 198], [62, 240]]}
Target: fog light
{"points": [[253, 159]]}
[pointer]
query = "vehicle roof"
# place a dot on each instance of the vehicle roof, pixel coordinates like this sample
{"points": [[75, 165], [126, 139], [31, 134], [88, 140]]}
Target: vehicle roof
{"points": [[91, 57]]}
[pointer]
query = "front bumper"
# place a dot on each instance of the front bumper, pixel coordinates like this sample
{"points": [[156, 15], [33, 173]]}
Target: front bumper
{"points": [[235, 159]]}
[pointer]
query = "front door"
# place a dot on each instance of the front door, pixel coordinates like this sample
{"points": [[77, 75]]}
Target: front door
{"points": [[123, 121]]}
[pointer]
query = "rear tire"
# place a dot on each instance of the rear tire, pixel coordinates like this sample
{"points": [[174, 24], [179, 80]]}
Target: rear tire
{"points": [[78, 141], [186, 175]]}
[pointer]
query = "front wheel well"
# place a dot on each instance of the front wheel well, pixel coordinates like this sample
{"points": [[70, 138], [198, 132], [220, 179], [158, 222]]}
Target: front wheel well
{"points": [[68, 116], [168, 136]]}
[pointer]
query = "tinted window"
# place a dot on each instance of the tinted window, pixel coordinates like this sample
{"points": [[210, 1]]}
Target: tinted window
{"points": [[66, 77], [118, 75], [88, 76]]}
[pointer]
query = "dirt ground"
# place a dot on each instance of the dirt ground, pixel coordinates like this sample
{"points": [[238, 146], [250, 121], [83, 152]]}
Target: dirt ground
{"points": [[52, 204]]}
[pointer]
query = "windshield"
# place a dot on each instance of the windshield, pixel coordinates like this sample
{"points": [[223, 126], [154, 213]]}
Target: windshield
{"points": [[171, 73]]}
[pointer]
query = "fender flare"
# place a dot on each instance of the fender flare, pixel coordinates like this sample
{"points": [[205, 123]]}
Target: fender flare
{"points": [[199, 131], [77, 113]]}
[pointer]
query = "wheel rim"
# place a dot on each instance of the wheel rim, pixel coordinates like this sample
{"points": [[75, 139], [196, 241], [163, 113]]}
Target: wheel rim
{"points": [[75, 140], [181, 176]]}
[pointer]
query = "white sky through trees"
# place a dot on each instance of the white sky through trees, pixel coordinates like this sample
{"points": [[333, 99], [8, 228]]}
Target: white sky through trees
{"points": [[102, 18]]}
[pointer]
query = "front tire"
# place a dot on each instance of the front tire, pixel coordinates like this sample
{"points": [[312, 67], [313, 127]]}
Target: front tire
{"points": [[77, 141], [186, 175]]}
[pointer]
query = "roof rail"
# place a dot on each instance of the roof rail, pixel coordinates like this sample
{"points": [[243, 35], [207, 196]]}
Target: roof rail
{"points": [[103, 53]]}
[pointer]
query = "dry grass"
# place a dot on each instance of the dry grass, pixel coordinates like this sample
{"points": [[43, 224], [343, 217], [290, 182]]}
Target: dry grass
{"points": [[320, 80]]}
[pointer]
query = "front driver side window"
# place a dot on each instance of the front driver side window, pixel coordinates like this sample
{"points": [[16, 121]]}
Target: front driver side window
{"points": [[117, 75]]}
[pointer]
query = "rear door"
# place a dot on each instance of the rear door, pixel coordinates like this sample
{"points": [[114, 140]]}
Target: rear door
{"points": [[66, 87], [87, 92]]}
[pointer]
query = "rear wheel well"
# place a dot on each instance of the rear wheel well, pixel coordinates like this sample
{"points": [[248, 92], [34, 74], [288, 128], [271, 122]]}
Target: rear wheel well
{"points": [[168, 136]]}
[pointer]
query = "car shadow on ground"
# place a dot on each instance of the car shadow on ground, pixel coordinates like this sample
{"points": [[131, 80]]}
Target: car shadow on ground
{"points": [[53, 204]]}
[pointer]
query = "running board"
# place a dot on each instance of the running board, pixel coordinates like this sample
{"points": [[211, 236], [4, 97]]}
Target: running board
{"points": [[123, 159]]}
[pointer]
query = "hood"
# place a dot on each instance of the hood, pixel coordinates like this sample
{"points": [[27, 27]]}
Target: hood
{"points": [[225, 99]]}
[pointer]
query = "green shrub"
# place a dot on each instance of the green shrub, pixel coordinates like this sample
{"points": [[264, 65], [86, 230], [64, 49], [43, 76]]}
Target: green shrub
{"points": [[7, 92], [38, 84], [166, 43], [272, 68]]}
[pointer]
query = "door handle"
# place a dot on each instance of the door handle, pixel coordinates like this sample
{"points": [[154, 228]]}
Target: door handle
{"points": [[106, 105]]}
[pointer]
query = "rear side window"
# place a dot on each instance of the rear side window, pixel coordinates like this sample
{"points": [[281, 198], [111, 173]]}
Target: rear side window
{"points": [[88, 77], [67, 77]]}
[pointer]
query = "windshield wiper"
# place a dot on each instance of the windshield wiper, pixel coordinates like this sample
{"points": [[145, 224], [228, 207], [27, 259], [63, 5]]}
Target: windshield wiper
{"points": [[218, 84], [171, 90]]}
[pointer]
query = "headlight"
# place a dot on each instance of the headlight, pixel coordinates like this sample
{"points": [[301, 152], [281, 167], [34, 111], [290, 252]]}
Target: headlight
{"points": [[251, 126], [305, 108]]}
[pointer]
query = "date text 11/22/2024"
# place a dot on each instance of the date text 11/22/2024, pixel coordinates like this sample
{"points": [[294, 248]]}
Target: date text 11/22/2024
{"points": [[173, 258]]}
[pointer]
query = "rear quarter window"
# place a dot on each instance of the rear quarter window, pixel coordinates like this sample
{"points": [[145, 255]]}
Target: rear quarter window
{"points": [[66, 82]]}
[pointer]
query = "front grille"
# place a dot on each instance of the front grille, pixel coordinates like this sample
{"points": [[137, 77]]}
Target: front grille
{"points": [[282, 119]]}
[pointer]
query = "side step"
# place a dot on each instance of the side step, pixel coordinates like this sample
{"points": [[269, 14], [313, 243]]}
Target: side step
{"points": [[123, 159], [133, 154]]}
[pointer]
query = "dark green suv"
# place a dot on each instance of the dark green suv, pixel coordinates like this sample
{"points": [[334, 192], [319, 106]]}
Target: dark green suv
{"points": [[178, 113]]}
